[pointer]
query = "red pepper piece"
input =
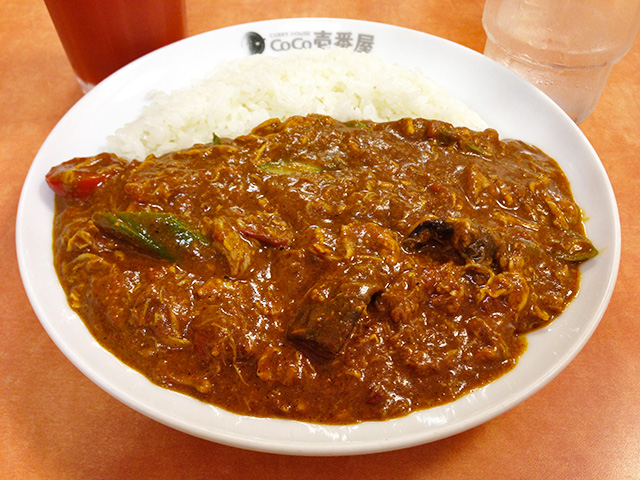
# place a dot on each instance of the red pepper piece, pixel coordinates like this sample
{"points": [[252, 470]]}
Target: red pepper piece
{"points": [[265, 237], [79, 178]]}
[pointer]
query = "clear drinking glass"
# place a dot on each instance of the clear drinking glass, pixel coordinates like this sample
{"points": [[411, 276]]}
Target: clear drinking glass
{"points": [[100, 36], [565, 47]]}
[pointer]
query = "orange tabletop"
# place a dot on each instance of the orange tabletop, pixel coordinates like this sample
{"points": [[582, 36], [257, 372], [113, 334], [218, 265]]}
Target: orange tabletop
{"points": [[56, 424]]}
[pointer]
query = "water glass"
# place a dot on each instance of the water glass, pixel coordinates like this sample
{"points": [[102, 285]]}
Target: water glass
{"points": [[565, 47]]}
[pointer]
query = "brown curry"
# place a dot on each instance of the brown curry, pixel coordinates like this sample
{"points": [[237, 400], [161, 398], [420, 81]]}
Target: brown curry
{"points": [[318, 270]]}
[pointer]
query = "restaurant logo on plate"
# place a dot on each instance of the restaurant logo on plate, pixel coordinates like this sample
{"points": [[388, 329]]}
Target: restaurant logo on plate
{"points": [[300, 40]]}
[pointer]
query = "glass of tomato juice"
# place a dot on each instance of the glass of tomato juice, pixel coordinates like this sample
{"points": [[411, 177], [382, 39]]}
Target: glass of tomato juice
{"points": [[100, 36]]}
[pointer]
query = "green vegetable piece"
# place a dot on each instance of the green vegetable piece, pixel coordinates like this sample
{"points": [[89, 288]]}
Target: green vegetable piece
{"points": [[576, 248], [160, 234], [357, 123], [475, 148], [581, 255], [444, 133], [216, 140], [290, 167]]}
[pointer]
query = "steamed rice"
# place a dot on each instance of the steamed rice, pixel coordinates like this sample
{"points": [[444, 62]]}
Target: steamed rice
{"points": [[241, 94]]}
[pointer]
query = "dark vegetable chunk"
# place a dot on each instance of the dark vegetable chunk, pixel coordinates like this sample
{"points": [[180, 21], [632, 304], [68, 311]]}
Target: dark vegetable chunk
{"points": [[458, 236], [331, 308]]}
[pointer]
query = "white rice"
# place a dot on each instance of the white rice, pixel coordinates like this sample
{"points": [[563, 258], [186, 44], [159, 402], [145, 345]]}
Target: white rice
{"points": [[241, 94]]}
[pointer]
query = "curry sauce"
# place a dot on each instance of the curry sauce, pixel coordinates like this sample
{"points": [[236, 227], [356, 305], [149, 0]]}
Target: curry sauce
{"points": [[318, 270]]}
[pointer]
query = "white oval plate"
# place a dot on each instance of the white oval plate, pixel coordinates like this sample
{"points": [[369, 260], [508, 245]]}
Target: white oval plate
{"points": [[505, 101]]}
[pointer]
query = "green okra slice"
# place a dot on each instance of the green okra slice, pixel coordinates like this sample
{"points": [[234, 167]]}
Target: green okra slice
{"points": [[162, 234]]}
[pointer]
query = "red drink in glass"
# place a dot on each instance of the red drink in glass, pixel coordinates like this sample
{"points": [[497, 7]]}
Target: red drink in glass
{"points": [[100, 36]]}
